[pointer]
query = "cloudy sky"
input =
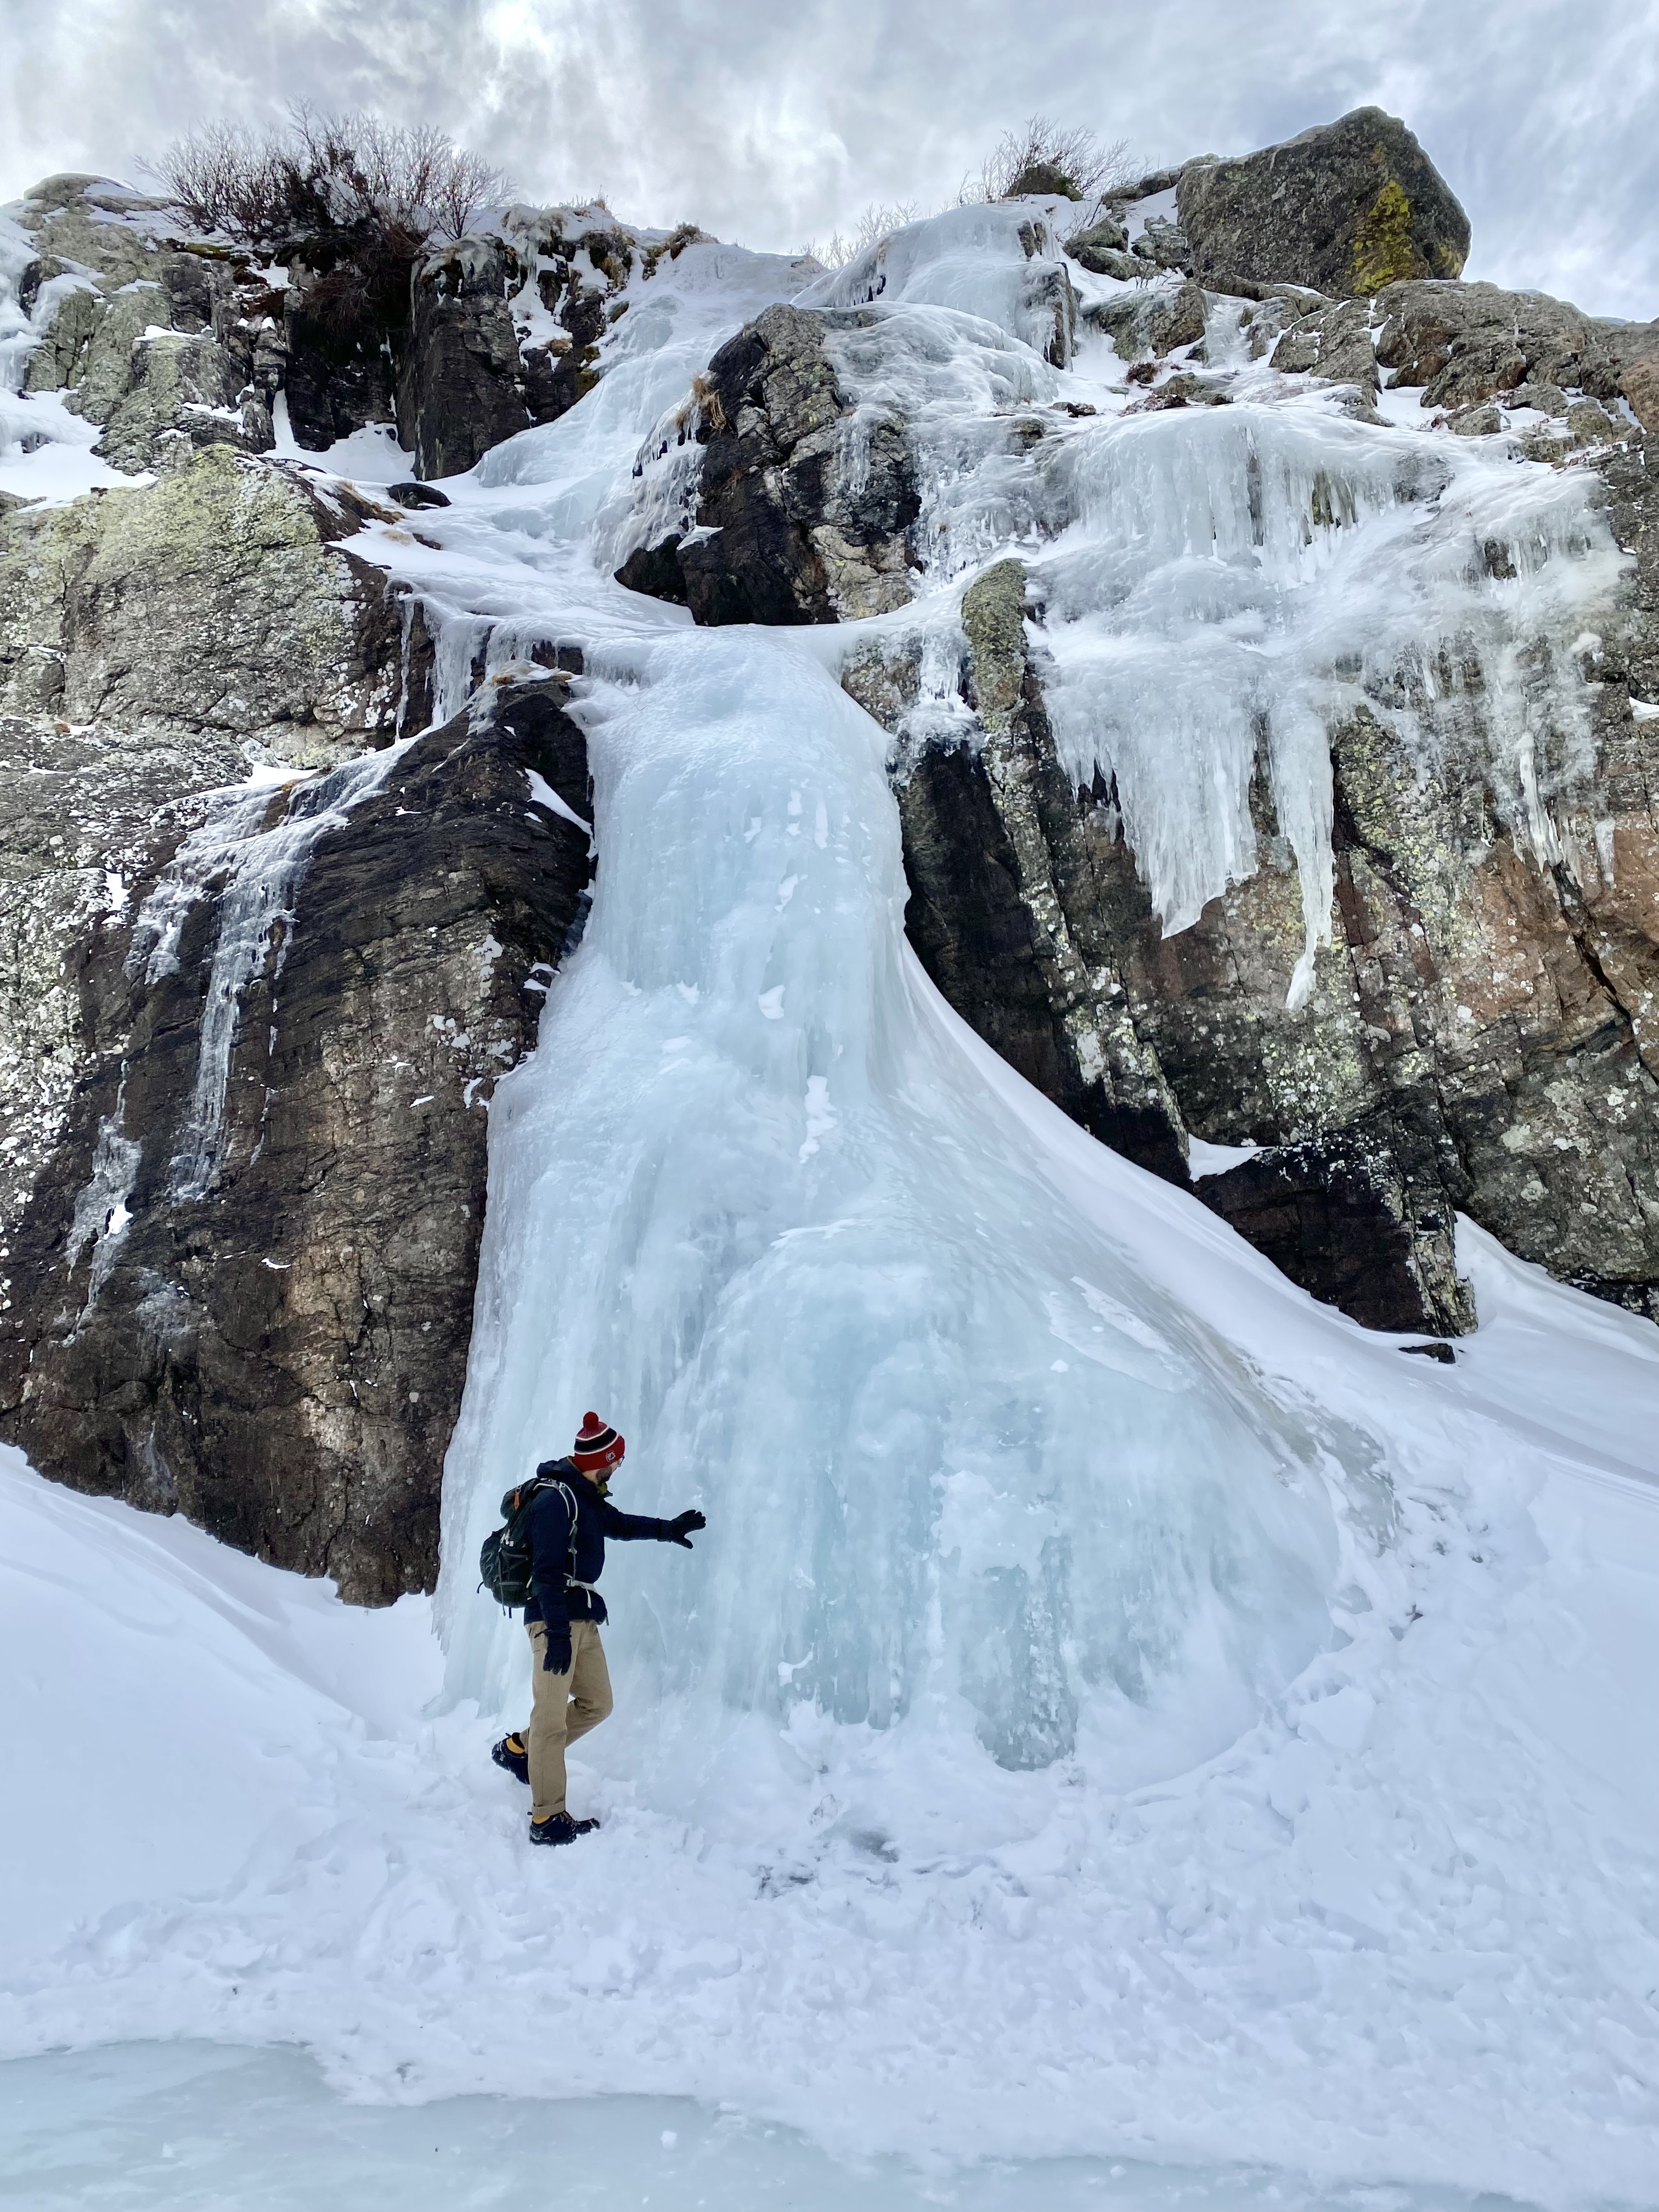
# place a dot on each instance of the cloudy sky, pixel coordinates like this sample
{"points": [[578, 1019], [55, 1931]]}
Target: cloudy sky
{"points": [[774, 121]]}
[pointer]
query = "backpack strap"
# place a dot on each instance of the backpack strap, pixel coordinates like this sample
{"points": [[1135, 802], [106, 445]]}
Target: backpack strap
{"points": [[525, 1496]]}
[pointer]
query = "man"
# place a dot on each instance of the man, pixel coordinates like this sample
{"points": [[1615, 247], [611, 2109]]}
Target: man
{"points": [[571, 1518]]}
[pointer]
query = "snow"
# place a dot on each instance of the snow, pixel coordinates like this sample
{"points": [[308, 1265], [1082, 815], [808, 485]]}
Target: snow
{"points": [[544, 795], [186, 2127], [1119, 1711], [1207, 1159], [972, 261], [1399, 1931], [45, 451], [371, 455], [1157, 207]]}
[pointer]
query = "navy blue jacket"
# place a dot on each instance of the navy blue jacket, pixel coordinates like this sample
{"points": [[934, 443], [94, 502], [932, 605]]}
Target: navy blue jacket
{"points": [[555, 1559]]}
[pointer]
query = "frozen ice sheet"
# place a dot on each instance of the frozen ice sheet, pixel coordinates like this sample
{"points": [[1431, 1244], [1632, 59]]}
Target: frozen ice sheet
{"points": [[194, 2127]]}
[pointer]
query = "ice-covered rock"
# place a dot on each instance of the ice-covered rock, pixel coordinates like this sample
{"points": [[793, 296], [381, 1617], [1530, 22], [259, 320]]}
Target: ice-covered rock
{"points": [[1272, 757], [1253, 634]]}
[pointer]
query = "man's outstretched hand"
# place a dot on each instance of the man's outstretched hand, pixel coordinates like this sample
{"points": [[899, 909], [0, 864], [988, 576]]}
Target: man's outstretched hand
{"points": [[683, 1525]]}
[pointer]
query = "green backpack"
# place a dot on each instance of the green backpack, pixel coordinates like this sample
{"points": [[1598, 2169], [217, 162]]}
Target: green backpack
{"points": [[504, 1564]]}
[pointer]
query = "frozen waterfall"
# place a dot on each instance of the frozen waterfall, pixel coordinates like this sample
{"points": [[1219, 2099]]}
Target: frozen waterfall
{"points": [[751, 1195], [967, 1470]]}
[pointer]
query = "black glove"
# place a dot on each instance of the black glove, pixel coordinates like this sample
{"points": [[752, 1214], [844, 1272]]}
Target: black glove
{"points": [[556, 1652], [678, 1530]]}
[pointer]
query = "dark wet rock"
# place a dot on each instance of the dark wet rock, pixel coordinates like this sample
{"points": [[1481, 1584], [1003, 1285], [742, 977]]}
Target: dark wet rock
{"points": [[281, 1355], [994, 894], [461, 390], [656, 571], [787, 530], [1344, 1218], [1346, 208], [577, 263], [417, 495]]}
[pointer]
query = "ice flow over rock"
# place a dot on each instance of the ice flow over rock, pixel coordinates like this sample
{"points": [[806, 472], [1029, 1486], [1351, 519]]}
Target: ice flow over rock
{"points": [[1220, 583], [959, 1459], [752, 1196]]}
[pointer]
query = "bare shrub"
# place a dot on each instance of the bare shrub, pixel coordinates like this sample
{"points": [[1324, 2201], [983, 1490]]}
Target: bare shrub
{"points": [[322, 172], [224, 177], [1042, 156]]}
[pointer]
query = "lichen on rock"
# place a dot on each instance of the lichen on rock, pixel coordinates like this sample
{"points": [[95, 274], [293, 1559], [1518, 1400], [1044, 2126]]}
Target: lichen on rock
{"points": [[213, 600]]}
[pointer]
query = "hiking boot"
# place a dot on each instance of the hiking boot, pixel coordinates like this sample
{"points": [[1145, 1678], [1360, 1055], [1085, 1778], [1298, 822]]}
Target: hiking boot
{"points": [[510, 1753], [559, 1828]]}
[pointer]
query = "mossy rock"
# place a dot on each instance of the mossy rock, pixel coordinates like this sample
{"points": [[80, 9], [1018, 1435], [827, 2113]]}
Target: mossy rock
{"points": [[1345, 208], [1043, 179]]}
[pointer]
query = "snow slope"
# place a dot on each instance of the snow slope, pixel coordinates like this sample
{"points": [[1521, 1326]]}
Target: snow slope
{"points": [[1401, 1930], [1118, 1707]]}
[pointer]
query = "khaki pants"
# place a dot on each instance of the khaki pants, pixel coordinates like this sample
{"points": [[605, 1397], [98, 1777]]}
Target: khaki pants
{"points": [[565, 1707]]}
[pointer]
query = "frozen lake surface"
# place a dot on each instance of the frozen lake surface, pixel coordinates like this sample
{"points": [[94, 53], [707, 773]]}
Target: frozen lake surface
{"points": [[193, 2125]]}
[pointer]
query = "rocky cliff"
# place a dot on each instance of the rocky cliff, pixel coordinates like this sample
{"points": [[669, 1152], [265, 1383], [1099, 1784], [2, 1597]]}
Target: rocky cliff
{"points": [[1479, 1034], [293, 832], [244, 1208]]}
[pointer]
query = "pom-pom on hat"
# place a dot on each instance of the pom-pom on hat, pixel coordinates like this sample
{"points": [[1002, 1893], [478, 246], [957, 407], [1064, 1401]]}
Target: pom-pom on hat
{"points": [[597, 1445]]}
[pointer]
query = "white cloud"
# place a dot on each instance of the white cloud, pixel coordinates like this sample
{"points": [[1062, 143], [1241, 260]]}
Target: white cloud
{"points": [[773, 124]]}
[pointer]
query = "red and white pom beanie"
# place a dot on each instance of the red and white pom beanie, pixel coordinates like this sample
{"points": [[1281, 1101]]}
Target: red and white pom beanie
{"points": [[597, 1445]]}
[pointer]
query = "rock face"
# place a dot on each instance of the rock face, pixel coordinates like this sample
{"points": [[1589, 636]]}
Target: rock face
{"points": [[1481, 1035], [240, 1281], [167, 344], [787, 529], [1468, 344], [217, 601], [461, 390], [1027, 912], [996, 896], [1480, 1038], [175, 344], [1344, 208], [504, 329]]}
